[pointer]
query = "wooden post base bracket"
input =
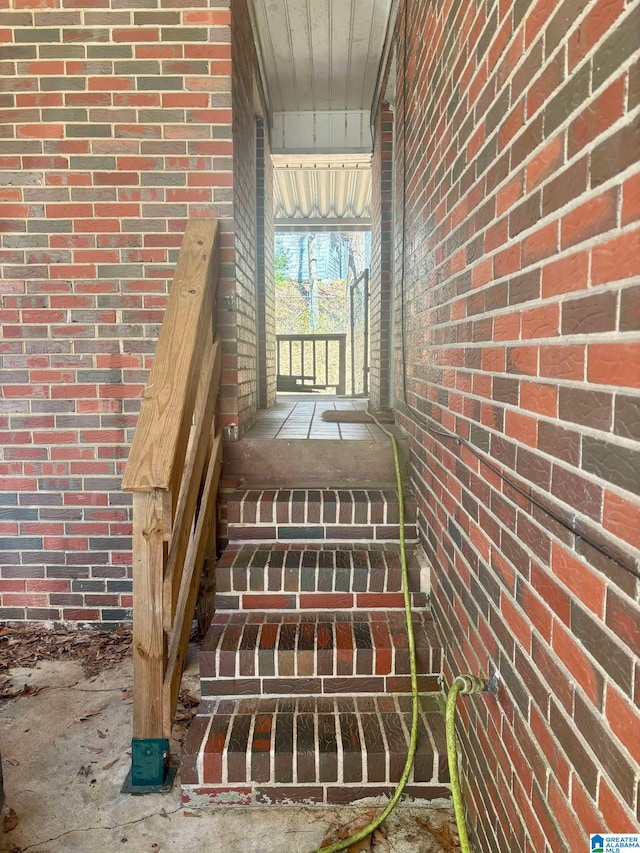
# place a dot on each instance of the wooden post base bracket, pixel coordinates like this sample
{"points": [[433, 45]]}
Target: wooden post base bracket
{"points": [[150, 771]]}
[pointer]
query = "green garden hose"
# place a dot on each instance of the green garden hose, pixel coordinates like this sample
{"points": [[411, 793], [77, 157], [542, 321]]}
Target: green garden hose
{"points": [[413, 739], [463, 684]]}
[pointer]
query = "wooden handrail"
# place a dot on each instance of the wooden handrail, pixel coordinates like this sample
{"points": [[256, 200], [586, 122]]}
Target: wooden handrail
{"points": [[174, 471], [159, 443]]}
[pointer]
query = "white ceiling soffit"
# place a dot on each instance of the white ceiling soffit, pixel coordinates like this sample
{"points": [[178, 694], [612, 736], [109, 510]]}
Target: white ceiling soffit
{"points": [[321, 54], [317, 192]]}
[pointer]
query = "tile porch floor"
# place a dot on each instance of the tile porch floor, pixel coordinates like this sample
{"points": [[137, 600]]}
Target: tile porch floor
{"points": [[296, 418]]}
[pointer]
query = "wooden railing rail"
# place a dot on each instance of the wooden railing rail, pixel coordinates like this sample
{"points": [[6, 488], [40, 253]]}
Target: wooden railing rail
{"points": [[173, 471]]}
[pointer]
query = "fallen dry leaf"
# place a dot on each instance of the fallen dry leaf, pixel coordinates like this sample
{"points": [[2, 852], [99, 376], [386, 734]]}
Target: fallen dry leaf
{"points": [[95, 749], [351, 828], [89, 714], [187, 706], [101, 734], [379, 836], [363, 846], [12, 762], [7, 692], [444, 831], [186, 710], [110, 764], [96, 650], [10, 821]]}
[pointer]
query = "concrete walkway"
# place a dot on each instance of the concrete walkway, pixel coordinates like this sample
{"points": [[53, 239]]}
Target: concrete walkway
{"points": [[65, 755]]}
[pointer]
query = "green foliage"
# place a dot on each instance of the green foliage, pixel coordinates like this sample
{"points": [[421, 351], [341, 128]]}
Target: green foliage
{"points": [[293, 309], [280, 267]]}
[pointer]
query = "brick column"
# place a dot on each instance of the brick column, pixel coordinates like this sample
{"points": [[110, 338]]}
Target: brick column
{"points": [[266, 285], [381, 259]]}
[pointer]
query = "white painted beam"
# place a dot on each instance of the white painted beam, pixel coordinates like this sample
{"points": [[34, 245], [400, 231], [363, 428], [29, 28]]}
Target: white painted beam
{"points": [[329, 131]]}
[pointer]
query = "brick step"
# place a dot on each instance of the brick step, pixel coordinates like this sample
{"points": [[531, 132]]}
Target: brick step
{"points": [[294, 515], [311, 750], [290, 576], [282, 654]]}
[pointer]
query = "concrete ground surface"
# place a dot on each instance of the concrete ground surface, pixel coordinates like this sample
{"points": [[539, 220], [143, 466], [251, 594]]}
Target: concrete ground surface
{"points": [[65, 751]]}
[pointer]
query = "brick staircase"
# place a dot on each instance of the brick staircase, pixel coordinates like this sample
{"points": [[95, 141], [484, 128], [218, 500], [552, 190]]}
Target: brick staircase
{"points": [[305, 669]]}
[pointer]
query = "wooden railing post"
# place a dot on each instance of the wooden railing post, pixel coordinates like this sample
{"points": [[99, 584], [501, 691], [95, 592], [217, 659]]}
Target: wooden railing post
{"points": [[342, 365], [149, 544], [173, 471]]}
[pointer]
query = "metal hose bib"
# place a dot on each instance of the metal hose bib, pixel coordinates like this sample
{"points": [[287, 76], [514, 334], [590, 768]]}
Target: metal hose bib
{"points": [[470, 684]]}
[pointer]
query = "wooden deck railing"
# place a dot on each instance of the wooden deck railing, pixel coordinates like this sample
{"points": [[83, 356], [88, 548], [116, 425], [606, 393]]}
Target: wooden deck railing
{"points": [[311, 362], [173, 471]]}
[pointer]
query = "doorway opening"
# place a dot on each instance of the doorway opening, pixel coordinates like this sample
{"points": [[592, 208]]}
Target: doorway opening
{"points": [[322, 312]]}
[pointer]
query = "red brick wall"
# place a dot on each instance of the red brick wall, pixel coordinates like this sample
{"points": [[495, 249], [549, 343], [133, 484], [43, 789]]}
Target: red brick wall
{"points": [[518, 126], [381, 256], [241, 381], [116, 128]]}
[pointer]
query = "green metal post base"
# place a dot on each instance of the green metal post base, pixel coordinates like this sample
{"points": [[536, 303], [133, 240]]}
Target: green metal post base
{"points": [[150, 771]]}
